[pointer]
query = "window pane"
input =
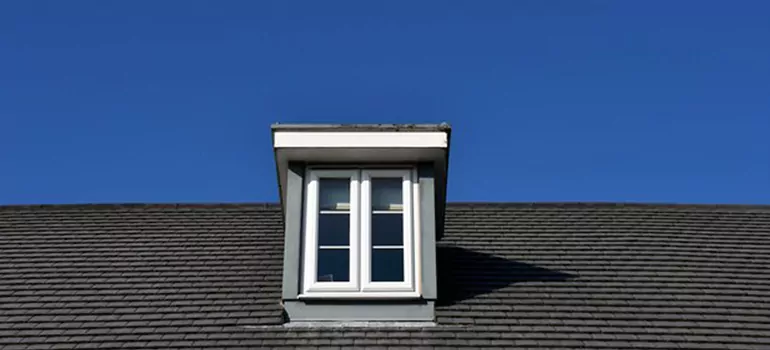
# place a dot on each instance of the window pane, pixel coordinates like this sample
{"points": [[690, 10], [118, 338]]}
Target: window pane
{"points": [[334, 229], [387, 229], [333, 265], [334, 194], [386, 194], [387, 265]]}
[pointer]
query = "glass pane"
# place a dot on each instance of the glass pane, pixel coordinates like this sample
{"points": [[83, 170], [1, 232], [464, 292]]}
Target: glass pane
{"points": [[387, 265], [387, 229], [334, 194], [333, 265], [386, 194], [334, 229]]}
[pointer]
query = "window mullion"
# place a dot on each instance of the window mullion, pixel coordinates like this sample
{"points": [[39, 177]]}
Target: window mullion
{"points": [[365, 229], [355, 228]]}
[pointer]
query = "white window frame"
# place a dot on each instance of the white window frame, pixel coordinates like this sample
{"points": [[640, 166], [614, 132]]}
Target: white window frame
{"points": [[311, 284], [360, 284], [366, 231]]}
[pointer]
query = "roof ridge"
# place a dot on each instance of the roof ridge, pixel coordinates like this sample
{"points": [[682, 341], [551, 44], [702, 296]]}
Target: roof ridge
{"points": [[140, 205], [613, 205], [575, 204]]}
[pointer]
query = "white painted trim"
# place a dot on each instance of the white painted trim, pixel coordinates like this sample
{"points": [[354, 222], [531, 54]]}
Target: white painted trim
{"points": [[298, 139], [360, 284], [417, 232], [366, 231], [311, 232], [360, 295]]}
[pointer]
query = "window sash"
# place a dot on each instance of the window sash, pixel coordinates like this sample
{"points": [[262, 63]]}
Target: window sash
{"points": [[366, 231], [312, 211]]}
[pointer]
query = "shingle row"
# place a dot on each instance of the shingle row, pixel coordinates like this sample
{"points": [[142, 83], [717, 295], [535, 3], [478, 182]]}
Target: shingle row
{"points": [[542, 276]]}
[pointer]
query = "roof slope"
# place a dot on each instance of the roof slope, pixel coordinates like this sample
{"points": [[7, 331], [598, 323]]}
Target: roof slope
{"points": [[526, 275]]}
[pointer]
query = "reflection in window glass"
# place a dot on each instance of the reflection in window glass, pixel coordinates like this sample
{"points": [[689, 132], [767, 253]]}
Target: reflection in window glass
{"points": [[333, 265], [334, 194], [387, 265], [386, 194]]}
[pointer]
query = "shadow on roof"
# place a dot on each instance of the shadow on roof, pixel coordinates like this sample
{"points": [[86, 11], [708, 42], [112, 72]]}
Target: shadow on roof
{"points": [[464, 274]]}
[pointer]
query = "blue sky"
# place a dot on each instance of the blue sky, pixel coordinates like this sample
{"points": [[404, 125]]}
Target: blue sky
{"points": [[171, 101]]}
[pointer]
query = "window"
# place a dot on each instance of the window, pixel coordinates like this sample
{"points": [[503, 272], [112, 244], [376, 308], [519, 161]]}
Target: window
{"points": [[359, 233]]}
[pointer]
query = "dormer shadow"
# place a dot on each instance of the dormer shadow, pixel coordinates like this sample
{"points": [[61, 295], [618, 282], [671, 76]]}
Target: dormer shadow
{"points": [[464, 274]]}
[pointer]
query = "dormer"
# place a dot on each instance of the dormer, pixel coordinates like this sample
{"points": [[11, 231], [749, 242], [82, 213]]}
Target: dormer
{"points": [[363, 207]]}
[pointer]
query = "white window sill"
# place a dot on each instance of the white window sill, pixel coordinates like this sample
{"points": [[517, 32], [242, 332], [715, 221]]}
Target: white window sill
{"points": [[360, 295]]}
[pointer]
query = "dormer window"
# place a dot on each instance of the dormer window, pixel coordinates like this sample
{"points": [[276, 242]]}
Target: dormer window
{"points": [[359, 233], [363, 206]]}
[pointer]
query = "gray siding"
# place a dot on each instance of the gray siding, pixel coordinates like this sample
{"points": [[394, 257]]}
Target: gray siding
{"points": [[293, 231], [358, 310]]}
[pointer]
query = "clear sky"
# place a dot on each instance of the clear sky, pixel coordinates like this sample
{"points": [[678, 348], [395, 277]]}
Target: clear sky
{"points": [[172, 101]]}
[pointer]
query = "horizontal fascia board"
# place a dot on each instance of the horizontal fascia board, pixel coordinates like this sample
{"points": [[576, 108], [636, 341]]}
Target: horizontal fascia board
{"points": [[360, 140]]}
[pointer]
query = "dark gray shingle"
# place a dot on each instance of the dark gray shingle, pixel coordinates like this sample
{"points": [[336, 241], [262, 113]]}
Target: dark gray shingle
{"points": [[529, 275]]}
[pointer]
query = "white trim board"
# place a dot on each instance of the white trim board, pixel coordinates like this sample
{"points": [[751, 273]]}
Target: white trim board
{"points": [[288, 139]]}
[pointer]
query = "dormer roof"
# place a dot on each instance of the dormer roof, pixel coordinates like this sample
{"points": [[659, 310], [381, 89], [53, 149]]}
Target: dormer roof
{"points": [[362, 144]]}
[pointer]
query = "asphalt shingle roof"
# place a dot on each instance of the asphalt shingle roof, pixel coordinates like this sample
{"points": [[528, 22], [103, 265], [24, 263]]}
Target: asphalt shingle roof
{"points": [[510, 275]]}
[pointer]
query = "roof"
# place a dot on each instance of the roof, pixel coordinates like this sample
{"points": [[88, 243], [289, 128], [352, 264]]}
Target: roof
{"points": [[510, 275]]}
